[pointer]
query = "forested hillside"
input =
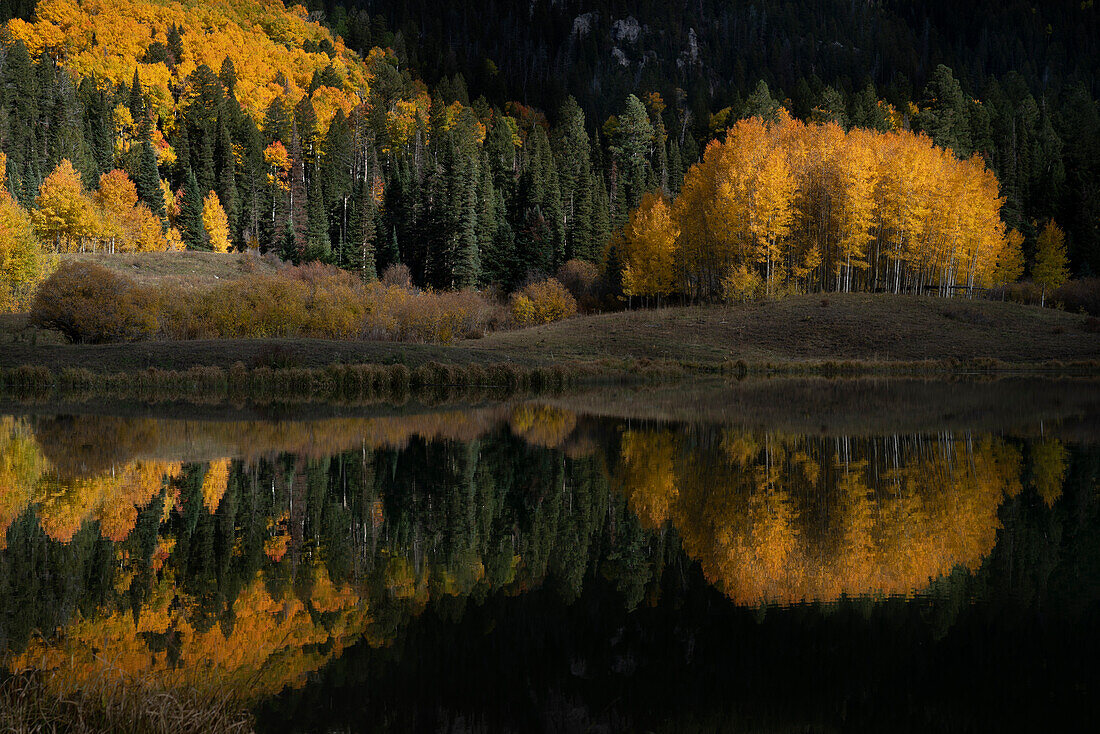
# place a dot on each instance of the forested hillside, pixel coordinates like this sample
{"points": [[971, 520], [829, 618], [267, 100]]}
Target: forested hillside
{"points": [[483, 143]]}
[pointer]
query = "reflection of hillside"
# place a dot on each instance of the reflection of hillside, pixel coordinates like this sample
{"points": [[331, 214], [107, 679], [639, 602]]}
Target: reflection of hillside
{"points": [[247, 569], [76, 468], [784, 519], [271, 642]]}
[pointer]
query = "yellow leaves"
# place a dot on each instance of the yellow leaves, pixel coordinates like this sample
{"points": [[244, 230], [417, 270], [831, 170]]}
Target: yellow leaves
{"points": [[126, 225], [108, 39], [1051, 267], [214, 484], [65, 215], [795, 203], [22, 263], [543, 425], [276, 156], [215, 222], [542, 303], [649, 240]]}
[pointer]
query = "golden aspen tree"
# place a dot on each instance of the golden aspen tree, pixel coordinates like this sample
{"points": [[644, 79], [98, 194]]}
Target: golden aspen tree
{"points": [[773, 190], [215, 222], [65, 215], [836, 210], [650, 249], [1051, 268], [126, 225], [1010, 260], [22, 262]]}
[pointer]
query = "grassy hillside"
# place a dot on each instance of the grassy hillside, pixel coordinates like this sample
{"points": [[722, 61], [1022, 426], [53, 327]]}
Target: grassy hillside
{"points": [[191, 269], [815, 327], [879, 328]]}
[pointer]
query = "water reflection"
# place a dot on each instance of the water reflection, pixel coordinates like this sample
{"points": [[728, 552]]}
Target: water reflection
{"points": [[245, 556]]}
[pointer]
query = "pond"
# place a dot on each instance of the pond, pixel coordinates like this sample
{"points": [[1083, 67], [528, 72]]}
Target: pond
{"points": [[780, 555]]}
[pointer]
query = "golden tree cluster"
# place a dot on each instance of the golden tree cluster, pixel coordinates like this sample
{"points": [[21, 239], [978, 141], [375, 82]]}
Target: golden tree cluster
{"points": [[109, 40], [790, 206]]}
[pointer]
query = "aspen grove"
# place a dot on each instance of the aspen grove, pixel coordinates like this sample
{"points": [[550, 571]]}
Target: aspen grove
{"points": [[792, 207]]}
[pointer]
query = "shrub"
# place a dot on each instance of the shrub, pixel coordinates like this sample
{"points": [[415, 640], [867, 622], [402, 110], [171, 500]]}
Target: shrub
{"points": [[1082, 294], [582, 279], [542, 303], [398, 275], [742, 285], [89, 303]]}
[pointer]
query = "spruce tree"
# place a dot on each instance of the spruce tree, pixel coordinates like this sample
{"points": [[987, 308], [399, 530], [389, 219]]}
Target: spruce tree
{"points": [[318, 245], [148, 178], [137, 102], [573, 154], [227, 175], [21, 101], [190, 218]]}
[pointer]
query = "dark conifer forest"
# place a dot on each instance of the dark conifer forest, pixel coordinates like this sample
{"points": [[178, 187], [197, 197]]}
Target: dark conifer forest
{"points": [[490, 143]]}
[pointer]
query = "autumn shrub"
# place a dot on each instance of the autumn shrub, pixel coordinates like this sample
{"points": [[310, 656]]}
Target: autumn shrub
{"points": [[542, 303], [1079, 296], [89, 303], [92, 304], [742, 285], [398, 275], [582, 279]]}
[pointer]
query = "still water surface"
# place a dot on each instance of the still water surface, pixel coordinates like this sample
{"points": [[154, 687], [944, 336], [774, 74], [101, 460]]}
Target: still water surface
{"points": [[881, 556]]}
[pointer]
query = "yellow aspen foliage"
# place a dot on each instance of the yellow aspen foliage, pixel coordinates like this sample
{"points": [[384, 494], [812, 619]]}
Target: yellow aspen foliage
{"points": [[276, 156], [267, 43], [650, 249], [22, 263], [214, 484], [1010, 260], [126, 225], [1051, 268], [809, 206], [65, 215], [215, 223]]}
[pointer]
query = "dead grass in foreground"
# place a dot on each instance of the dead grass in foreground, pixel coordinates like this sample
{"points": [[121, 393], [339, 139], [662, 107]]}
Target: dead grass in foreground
{"points": [[32, 702]]}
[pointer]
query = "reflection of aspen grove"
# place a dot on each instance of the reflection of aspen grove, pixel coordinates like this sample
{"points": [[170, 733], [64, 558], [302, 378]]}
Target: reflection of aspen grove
{"points": [[241, 577], [189, 564], [94, 467], [790, 519]]}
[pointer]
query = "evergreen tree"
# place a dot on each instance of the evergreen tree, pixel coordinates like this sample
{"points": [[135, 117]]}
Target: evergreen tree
{"points": [[335, 173], [944, 115], [318, 245], [21, 103], [631, 143], [573, 154], [99, 132], [147, 180], [137, 100], [227, 174], [190, 217]]}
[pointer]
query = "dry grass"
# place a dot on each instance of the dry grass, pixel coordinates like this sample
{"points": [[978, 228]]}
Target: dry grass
{"points": [[190, 270], [880, 330], [867, 327], [30, 703]]}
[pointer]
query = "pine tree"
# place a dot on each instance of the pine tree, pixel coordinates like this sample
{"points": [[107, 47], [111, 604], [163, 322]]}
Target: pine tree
{"points": [[486, 215], [21, 100], [227, 174], [190, 218], [99, 132], [573, 154], [297, 222], [358, 253], [318, 245], [336, 176], [137, 101], [148, 178]]}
